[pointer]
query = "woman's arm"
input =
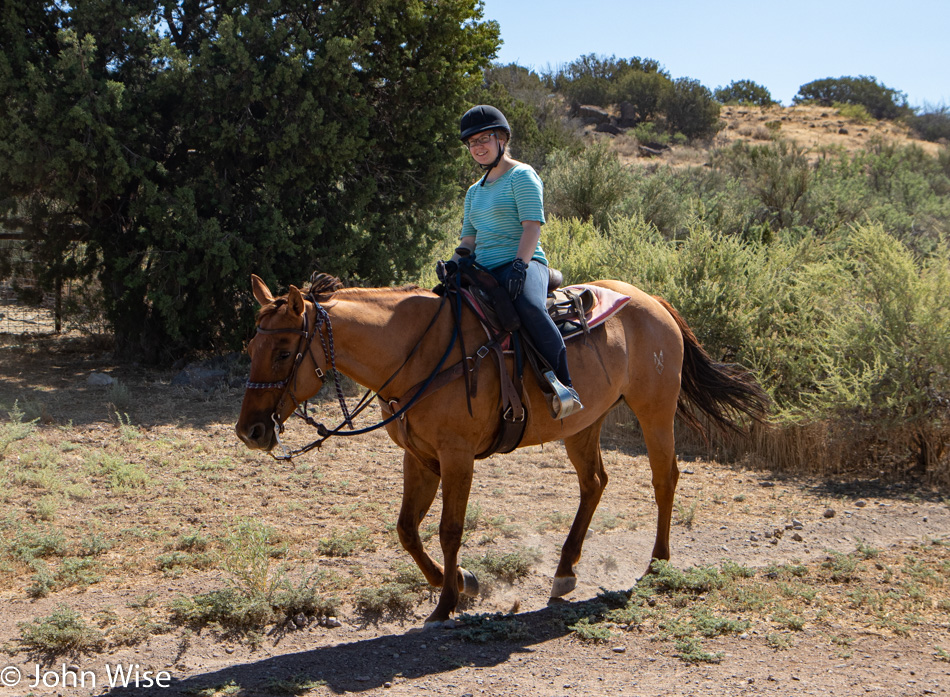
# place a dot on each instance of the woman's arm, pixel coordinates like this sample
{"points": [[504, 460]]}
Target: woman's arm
{"points": [[529, 239], [467, 242]]}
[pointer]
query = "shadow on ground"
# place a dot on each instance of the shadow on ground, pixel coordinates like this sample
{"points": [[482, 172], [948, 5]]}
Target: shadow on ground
{"points": [[369, 664]]}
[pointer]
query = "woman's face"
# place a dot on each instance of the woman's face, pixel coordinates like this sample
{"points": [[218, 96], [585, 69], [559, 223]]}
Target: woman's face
{"points": [[483, 147]]}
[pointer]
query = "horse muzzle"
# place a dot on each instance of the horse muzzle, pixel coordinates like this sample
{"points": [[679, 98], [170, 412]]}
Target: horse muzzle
{"points": [[259, 435]]}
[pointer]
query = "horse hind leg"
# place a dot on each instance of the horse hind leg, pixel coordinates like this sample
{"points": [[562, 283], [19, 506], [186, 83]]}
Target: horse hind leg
{"points": [[583, 449], [658, 434]]}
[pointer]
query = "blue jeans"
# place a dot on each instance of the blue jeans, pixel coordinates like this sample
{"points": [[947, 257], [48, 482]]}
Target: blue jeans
{"points": [[535, 320]]}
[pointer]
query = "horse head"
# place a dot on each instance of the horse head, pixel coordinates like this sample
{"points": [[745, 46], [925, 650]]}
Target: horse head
{"points": [[285, 370]]}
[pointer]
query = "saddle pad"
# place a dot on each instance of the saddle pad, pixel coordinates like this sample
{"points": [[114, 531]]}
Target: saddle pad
{"points": [[606, 303]]}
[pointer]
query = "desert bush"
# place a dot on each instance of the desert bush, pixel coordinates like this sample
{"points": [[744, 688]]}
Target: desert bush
{"points": [[932, 123], [589, 186], [645, 91], [397, 595], [60, 631], [777, 177], [882, 102], [744, 92], [689, 108], [17, 428], [854, 112], [598, 80]]}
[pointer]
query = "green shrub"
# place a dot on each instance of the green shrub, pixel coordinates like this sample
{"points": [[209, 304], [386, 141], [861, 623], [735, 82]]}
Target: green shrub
{"points": [[398, 594], [60, 631], [855, 112], [590, 185], [16, 429], [744, 92], [882, 102], [689, 108], [932, 123], [644, 91]]}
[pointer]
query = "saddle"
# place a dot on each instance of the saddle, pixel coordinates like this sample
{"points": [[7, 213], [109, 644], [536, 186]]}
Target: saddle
{"points": [[575, 311]]}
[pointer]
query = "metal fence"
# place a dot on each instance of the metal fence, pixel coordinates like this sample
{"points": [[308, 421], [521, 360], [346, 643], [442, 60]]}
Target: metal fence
{"points": [[26, 308]]}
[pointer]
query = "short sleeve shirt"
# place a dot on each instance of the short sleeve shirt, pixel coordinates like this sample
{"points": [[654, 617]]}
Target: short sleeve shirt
{"points": [[494, 213]]}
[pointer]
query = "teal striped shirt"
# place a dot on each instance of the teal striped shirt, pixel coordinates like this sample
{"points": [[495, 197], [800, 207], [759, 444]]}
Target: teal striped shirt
{"points": [[494, 213]]}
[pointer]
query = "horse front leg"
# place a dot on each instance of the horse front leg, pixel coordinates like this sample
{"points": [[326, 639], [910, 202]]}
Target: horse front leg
{"points": [[457, 474], [419, 487]]}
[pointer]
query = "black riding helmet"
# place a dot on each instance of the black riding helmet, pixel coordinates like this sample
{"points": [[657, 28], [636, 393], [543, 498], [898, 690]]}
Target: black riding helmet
{"points": [[484, 118]]}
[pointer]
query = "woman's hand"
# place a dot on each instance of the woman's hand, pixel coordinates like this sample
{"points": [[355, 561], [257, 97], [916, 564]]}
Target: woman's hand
{"points": [[516, 278]]}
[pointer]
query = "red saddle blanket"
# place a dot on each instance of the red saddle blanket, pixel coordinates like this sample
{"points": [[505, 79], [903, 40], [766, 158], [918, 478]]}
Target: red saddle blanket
{"points": [[606, 303]]}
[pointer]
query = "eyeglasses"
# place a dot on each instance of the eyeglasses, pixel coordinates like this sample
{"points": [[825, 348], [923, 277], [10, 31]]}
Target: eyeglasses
{"points": [[484, 140]]}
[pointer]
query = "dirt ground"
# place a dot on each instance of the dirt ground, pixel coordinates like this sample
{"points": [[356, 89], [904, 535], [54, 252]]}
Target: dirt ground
{"points": [[195, 476]]}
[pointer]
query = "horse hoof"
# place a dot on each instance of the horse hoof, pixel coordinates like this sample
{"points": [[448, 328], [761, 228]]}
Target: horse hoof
{"points": [[469, 583], [563, 585]]}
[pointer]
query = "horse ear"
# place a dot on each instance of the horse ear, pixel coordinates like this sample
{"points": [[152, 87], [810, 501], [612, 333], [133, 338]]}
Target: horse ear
{"points": [[261, 291], [295, 299]]}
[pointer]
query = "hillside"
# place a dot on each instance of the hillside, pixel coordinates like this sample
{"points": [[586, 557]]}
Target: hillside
{"points": [[816, 128]]}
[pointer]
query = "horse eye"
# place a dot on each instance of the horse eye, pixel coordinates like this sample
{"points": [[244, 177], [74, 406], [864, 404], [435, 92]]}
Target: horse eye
{"points": [[283, 355]]}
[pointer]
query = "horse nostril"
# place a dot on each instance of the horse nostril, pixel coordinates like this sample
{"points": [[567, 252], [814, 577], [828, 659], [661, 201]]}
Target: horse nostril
{"points": [[256, 432]]}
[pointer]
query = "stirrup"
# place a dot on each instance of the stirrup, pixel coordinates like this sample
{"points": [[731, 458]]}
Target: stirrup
{"points": [[564, 401]]}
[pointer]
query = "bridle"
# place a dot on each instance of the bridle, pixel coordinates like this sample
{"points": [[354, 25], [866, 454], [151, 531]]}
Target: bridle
{"points": [[305, 348]]}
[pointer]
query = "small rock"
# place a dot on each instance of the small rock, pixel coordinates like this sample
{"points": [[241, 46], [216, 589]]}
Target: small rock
{"points": [[301, 620], [767, 484], [861, 503], [829, 513], [619, 649], [797, 537], [333, 623], [387, 685], [99, 380], [843, 131], [229, 649]]}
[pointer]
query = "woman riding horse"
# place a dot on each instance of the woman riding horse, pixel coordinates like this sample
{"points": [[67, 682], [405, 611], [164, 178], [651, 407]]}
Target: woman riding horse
{"points": [[504, 212]]}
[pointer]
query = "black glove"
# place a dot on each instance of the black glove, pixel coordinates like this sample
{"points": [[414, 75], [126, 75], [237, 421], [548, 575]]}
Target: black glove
{"points": [[446, 269], [516, 278]]}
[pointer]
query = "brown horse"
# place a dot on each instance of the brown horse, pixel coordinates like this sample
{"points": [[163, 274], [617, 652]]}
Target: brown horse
{"points": [[645, 355]]}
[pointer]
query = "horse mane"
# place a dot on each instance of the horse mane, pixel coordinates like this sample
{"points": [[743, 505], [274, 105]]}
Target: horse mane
{"points": [[324, 284]]}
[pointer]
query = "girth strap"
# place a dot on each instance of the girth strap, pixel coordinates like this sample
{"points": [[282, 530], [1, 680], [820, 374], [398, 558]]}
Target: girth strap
{"points": [[513, 420]]}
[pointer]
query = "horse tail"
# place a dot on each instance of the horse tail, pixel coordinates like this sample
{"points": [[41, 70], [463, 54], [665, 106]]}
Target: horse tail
{"points": [[721, 391]]}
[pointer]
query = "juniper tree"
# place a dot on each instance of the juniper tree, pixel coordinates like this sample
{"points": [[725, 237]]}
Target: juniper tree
{"points": [[172, 147]]}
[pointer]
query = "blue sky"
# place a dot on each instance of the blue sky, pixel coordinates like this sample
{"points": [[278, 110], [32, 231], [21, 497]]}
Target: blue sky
{"points": [[780, 45]]}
